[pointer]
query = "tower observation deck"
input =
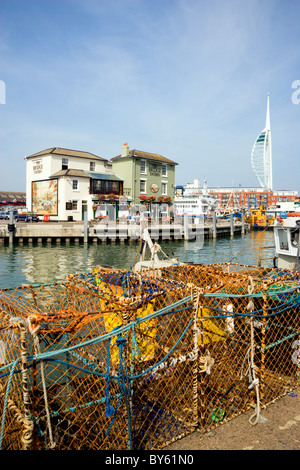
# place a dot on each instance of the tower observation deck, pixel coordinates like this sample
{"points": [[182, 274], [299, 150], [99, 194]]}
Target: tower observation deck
{"points": [[261, 155]]}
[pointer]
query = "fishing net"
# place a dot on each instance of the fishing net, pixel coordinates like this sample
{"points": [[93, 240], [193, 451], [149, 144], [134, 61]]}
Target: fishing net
{"points": [[81, 360], [249, 347], [124, 360]]}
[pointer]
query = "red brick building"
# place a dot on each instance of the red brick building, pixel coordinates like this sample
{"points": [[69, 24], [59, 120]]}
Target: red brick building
{"points": [[251, 197]]}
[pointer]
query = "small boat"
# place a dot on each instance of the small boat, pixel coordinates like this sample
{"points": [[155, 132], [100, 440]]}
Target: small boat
{"points": [[151, 260], [283, 208], [287, 245], [259, 218]]}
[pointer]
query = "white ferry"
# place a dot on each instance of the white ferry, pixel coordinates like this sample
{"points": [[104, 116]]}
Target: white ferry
{"points": [[193, 201]]}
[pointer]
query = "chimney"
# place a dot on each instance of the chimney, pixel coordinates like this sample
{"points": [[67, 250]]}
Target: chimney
{"points": [[125, 150]]}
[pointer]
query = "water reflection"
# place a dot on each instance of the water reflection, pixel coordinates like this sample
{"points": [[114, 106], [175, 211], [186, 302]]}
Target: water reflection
{"points": [[49, 263]]}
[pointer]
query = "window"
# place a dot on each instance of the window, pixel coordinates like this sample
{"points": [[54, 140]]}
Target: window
{"points": [[64, 164], [283, 239], [143, 186], [164, 188], [143, 167], [105, 187], [295, 238], [92, 166], [74, 205], [75, 185], [164, 169]]}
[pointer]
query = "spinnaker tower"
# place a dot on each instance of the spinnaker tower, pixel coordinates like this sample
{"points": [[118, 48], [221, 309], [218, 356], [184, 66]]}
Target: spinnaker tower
{"points": [[261, 155]]}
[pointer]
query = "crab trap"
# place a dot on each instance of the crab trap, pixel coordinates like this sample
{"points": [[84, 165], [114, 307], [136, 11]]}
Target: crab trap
{"points": [[136, 360]]}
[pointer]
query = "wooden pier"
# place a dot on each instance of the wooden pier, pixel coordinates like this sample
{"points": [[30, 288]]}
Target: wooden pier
{"points": [[114, 231]]}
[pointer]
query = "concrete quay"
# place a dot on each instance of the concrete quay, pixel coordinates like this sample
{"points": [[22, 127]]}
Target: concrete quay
{"points": [[113, 231]]}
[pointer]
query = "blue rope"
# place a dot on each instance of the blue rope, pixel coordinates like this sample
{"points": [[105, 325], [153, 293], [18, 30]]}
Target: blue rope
{"points": [[6, 400], [224, 313], [110, 411], [109, 408], [258, 294], [121, 382], [133, 377]]}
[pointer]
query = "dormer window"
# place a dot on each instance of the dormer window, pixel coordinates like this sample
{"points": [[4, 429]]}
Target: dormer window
{"points": [[65, 163]]}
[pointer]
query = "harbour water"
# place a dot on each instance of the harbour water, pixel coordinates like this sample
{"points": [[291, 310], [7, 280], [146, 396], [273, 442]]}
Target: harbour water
{"points": [[44, 263]]}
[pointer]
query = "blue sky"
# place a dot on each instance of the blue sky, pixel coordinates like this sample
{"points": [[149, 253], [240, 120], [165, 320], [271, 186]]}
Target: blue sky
{"points": [[187, 79]]}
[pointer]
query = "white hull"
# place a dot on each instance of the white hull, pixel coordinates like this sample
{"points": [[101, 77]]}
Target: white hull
{"points": [[194, 205], [288, 262], [287, 245]]}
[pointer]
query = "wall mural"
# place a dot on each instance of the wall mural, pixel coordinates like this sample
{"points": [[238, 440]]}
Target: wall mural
{"points": [[44, 197]]}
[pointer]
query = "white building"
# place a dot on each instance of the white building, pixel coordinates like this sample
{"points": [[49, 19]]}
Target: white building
{"points": [[61, 184]]}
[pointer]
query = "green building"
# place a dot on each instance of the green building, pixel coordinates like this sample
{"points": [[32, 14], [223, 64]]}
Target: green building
{"points": [[144, 174]]}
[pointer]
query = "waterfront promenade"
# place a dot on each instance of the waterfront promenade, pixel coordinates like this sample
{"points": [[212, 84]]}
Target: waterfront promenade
{"points": [[115, 231]]}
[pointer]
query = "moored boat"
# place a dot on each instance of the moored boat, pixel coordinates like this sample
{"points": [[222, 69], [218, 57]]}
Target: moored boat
{"points": [[287, 241], [259, 218], [194, 202]]}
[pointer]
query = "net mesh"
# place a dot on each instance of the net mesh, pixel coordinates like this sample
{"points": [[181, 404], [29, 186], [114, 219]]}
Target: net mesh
{"points": [[121, 360]]}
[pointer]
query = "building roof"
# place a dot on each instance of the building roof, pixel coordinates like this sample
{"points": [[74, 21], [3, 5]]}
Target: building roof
{"points": [[67, 153], [144, 155], [70, 172], [10, 196], [86, 174], [104, 176]]}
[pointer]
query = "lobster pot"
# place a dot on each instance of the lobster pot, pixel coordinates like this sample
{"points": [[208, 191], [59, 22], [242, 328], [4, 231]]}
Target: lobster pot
{"points": [[54, 369], [248, 329], [161, 356], [120, 360], [165, 386], [73, 361]]}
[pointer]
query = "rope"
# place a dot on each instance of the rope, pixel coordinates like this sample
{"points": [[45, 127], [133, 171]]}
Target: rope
{"points": [[37, 348], [27, 421], [255, 382], [109, 408], [6, 401], [287, 305], [206, 363], [258, 294], [123, 389]]}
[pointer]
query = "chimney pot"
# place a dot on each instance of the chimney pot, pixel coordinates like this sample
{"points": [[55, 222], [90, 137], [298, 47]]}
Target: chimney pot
{"points": [[125, 150]]}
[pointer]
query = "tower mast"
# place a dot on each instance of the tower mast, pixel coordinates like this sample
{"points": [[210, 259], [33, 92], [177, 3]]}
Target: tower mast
{"points": [[261, 155]]}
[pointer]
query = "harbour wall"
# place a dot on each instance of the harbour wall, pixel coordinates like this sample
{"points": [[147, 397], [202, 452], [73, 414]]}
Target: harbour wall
{"points": [[115, 231]]}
